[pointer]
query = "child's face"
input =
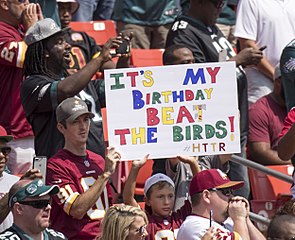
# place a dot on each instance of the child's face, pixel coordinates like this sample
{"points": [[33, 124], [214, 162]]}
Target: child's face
{"points": [[161, 200]]}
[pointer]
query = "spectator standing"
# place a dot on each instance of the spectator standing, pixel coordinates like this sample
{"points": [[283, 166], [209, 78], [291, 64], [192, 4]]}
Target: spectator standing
{"points": [[124, 222], [6, 180], [266, 121], [197, 31], [260, 23], [30, 205], [148, 20], [211, 190], [15, 18], [47, 83], [287, 63], [82, 175]]}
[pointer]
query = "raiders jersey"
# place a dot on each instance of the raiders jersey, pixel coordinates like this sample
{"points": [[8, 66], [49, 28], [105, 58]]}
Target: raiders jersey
{"points": [[75, 175]]}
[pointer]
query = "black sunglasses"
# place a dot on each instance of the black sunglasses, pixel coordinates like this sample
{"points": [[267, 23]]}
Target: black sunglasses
{"points": [[225, 191], [218, 3], [141, 230], [5, 150], [39, 204]]}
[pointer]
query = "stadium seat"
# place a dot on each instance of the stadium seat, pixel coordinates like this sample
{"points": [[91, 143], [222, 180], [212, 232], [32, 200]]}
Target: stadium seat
{"points": [[105, 125], [264, 187], [101, 31], [146, 57]]}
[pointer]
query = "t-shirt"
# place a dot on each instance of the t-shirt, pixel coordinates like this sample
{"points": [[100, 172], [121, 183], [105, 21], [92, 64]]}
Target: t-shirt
{"points": [[266, 121], [206, 42], [39, 98], [12, 53], [194, 227], [6, 181], [150, 13], [15, 233], [167, 228], [75, 175]]}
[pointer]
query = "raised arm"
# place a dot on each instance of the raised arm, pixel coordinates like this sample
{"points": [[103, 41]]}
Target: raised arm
{"points": [[86, 200], [128, 192]]}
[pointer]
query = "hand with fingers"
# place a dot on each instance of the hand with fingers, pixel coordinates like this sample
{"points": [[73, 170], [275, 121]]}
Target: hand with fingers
{"points": [[249, 56], [211, 234], [31, 15], [112, 43], [112, 158], [139, 163], [32, 174]]}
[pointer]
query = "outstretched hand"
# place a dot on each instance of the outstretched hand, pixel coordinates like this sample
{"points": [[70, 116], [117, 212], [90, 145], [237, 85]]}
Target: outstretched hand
{"points": [[112, 158], [141, 162], [249, 56], [32, 174]]}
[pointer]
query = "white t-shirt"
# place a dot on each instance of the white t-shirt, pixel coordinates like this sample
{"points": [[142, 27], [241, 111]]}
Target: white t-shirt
{"points": [[6, 181], [194, 227], [269, 23]]}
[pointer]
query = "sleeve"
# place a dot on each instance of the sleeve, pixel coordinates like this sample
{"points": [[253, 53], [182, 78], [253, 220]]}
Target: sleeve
{"points": [[289, 120], [12, 52], [247, 18], [59, 175], [184, 211], [38, 95], [258, 125]]}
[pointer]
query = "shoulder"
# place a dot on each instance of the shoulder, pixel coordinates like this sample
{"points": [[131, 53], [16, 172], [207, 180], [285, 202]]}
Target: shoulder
{"points": [[54, 235], [10, 233]]}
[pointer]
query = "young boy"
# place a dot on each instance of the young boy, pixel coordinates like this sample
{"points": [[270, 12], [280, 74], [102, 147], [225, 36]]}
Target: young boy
{"points": [[159, 197]]}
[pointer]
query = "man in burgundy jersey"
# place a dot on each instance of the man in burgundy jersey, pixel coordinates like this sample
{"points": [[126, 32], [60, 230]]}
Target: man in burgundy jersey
{"points": [[15, 18], [81, 175]]}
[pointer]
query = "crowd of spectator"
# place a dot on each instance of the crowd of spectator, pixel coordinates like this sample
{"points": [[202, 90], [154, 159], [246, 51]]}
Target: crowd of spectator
{"points": [[51, 101]]}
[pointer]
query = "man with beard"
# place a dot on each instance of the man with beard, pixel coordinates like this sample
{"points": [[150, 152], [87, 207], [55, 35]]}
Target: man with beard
{"points": [[197, 31], [47, 83]]}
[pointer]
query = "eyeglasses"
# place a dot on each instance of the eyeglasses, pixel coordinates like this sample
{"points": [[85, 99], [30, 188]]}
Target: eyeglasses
{"points": [[5, 150], [218, 3], [225, 191], [39, 204], [141, 230]]}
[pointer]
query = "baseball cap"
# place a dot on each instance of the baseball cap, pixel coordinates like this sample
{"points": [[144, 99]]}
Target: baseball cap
{"points": [[41, 30], [34, 189], [159, 177], [4, 136], [212, 178], [277, 73], [70, 109], [74, 4]]}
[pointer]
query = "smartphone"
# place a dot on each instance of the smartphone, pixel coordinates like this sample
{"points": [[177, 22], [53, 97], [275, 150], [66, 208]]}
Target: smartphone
{"points": [[211, 213], [262, 48], [40, 162], [124, 47]]}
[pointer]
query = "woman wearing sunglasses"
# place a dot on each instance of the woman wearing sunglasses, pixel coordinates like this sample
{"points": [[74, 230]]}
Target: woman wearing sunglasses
{"points": [[124, 222]]}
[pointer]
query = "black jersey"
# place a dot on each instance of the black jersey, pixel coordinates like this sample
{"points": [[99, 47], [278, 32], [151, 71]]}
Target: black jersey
{"points": [[16, 233], [206, 43], [39, 99]]}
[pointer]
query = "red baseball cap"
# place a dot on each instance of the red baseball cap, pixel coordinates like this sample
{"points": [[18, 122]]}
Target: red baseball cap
{"points": [[4, 136], [212, 178]]}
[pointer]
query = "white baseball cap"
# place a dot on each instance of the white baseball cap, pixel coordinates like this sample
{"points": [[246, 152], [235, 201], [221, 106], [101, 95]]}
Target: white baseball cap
{"points": [[74, 4], [159, 177]]}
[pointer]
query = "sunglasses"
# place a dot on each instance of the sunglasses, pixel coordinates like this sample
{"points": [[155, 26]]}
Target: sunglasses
{"points": [[218, 3], [225, 191], [39, 204], [5, 150], [141, 230]]}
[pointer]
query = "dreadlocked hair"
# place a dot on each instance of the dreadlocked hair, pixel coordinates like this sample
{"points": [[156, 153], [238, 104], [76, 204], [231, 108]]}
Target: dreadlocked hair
{"points": [[35, 61]]}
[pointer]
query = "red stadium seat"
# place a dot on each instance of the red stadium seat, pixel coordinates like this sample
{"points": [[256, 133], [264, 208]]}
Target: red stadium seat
{"points": [[101, 31], [264, 187], [146, 57], [105, 124], [144, 173]]}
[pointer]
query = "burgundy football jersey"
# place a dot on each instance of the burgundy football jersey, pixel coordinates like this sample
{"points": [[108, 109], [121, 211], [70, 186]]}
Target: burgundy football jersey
{"points": [[74, 175], [167, 228], [12, 53]]}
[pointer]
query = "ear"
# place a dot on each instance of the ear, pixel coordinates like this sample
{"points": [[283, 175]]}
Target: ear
{"points": [[60, 127], [18, 208], [46, 53], [206, 196], [147, 201]]}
